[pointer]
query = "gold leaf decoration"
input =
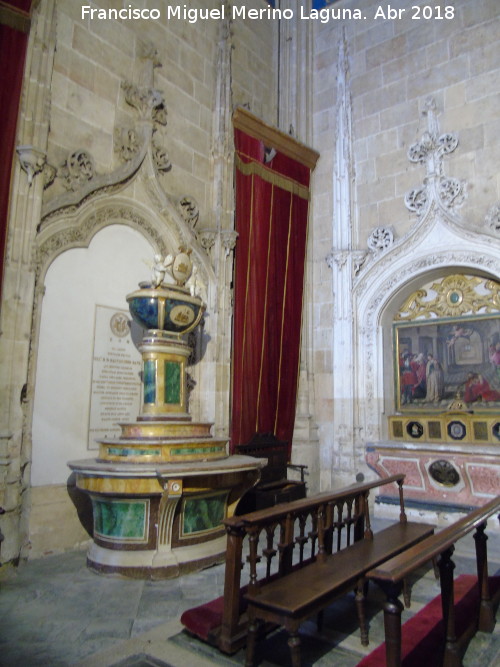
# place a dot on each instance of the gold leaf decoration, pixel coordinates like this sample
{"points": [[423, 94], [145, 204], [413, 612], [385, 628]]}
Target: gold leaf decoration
{"points": [[452, 296]]}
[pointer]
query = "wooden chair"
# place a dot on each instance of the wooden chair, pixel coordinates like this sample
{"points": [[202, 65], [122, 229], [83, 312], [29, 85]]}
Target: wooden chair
{"points": [[274, 486]]}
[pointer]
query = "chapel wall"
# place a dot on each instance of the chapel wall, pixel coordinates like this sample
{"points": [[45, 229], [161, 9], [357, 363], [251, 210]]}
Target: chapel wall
{"points": [[392, 67], [92, 58]]}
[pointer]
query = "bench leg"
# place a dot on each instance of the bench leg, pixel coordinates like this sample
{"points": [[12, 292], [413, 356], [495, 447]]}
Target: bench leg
{"points": [[360, 606], [294, 644], [486, 621], [407, 593], [392, 625], [251, 637], [452, 652]]}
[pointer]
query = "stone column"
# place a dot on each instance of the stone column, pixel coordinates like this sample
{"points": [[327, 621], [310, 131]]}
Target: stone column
{"points": [[344, 261], [295, 118], [295, 81], [219, 238], [19, 282]]}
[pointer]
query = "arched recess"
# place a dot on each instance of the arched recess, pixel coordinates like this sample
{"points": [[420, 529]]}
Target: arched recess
{"points": [[437, 248], [78, 283], [78, 230]]}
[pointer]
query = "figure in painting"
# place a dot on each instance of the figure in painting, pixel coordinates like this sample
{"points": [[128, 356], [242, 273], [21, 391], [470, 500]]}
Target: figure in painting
{"points": [[477, 388], [434, 379], [408, 377], [494, 355], [419, 366], [456, 333]]}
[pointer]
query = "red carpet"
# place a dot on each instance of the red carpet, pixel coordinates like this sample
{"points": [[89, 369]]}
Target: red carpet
{"points": [[203, 620], [422, 636]]}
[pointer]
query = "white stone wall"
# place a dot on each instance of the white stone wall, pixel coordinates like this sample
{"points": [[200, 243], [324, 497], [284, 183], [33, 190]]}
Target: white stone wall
{"points": [[392, 67], [74, 99], [389, 68]]}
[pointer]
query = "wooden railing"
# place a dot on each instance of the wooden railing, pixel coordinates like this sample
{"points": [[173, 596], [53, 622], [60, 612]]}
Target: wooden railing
{"points": [[286, 537]]}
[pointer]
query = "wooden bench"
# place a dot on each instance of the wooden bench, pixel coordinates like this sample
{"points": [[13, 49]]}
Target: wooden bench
{"points": [[391, 574], [271, 543], [290, 599]]}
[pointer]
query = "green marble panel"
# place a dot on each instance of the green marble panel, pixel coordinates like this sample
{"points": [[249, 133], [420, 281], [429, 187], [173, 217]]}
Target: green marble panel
{"points": [[130, 451], [121, 520], [203, 513], [150, 381], [172, 382], [182, 451]]}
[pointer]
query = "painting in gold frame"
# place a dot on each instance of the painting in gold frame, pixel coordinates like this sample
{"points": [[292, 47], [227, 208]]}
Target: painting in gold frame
{"points": [[443, 359]]}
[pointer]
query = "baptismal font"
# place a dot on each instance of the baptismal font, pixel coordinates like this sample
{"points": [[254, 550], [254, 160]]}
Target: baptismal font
{"points": [[160, 491]]}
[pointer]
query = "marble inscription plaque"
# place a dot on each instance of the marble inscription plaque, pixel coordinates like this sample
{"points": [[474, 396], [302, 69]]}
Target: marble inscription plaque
{"points": [[116, 382]]}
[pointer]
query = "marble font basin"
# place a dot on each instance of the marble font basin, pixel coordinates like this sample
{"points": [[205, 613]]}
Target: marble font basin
{"points": [[168, 308]]}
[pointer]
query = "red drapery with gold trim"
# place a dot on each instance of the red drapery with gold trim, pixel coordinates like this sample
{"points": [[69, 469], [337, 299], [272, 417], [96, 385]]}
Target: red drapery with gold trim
{"points": [[272, 201], [14, 24]]}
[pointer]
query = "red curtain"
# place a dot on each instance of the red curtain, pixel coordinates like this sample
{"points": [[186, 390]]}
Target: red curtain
{"points": [[271, 220], [13, 41]]}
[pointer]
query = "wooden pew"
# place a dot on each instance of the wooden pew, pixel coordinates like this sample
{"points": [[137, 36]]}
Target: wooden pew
{"points": [[392, 573], [289, 537], [297, 594]]}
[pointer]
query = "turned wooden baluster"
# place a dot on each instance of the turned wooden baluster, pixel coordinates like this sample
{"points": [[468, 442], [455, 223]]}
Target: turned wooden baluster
{"points": [[301, 538], [321, 533], [359, 526], [286, 545], [486, 621], [452, 654], [269, 552], [368, 525], [313, 534], [253, 557], [339, 524], [348, 521], [402, 513]]}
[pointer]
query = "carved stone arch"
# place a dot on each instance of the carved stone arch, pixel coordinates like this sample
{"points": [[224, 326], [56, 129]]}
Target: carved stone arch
{"points": [[78, 230]]}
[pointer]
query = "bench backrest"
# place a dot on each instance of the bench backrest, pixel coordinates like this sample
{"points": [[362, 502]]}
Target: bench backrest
{"points": [[291, 535]]}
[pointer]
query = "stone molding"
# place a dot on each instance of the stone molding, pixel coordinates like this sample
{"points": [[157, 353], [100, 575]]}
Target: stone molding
{"points": [[189, 210], [82, 181], [492, 220], [381, 239], [79, 233], [228, 239], [429, 151], [32, 161]]}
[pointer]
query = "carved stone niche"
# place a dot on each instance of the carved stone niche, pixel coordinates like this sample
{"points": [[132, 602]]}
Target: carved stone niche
{"points": [[445, 430]]}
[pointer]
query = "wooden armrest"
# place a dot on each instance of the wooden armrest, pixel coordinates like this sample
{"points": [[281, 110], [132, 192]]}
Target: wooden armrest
{"points": [[303, 469]]}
